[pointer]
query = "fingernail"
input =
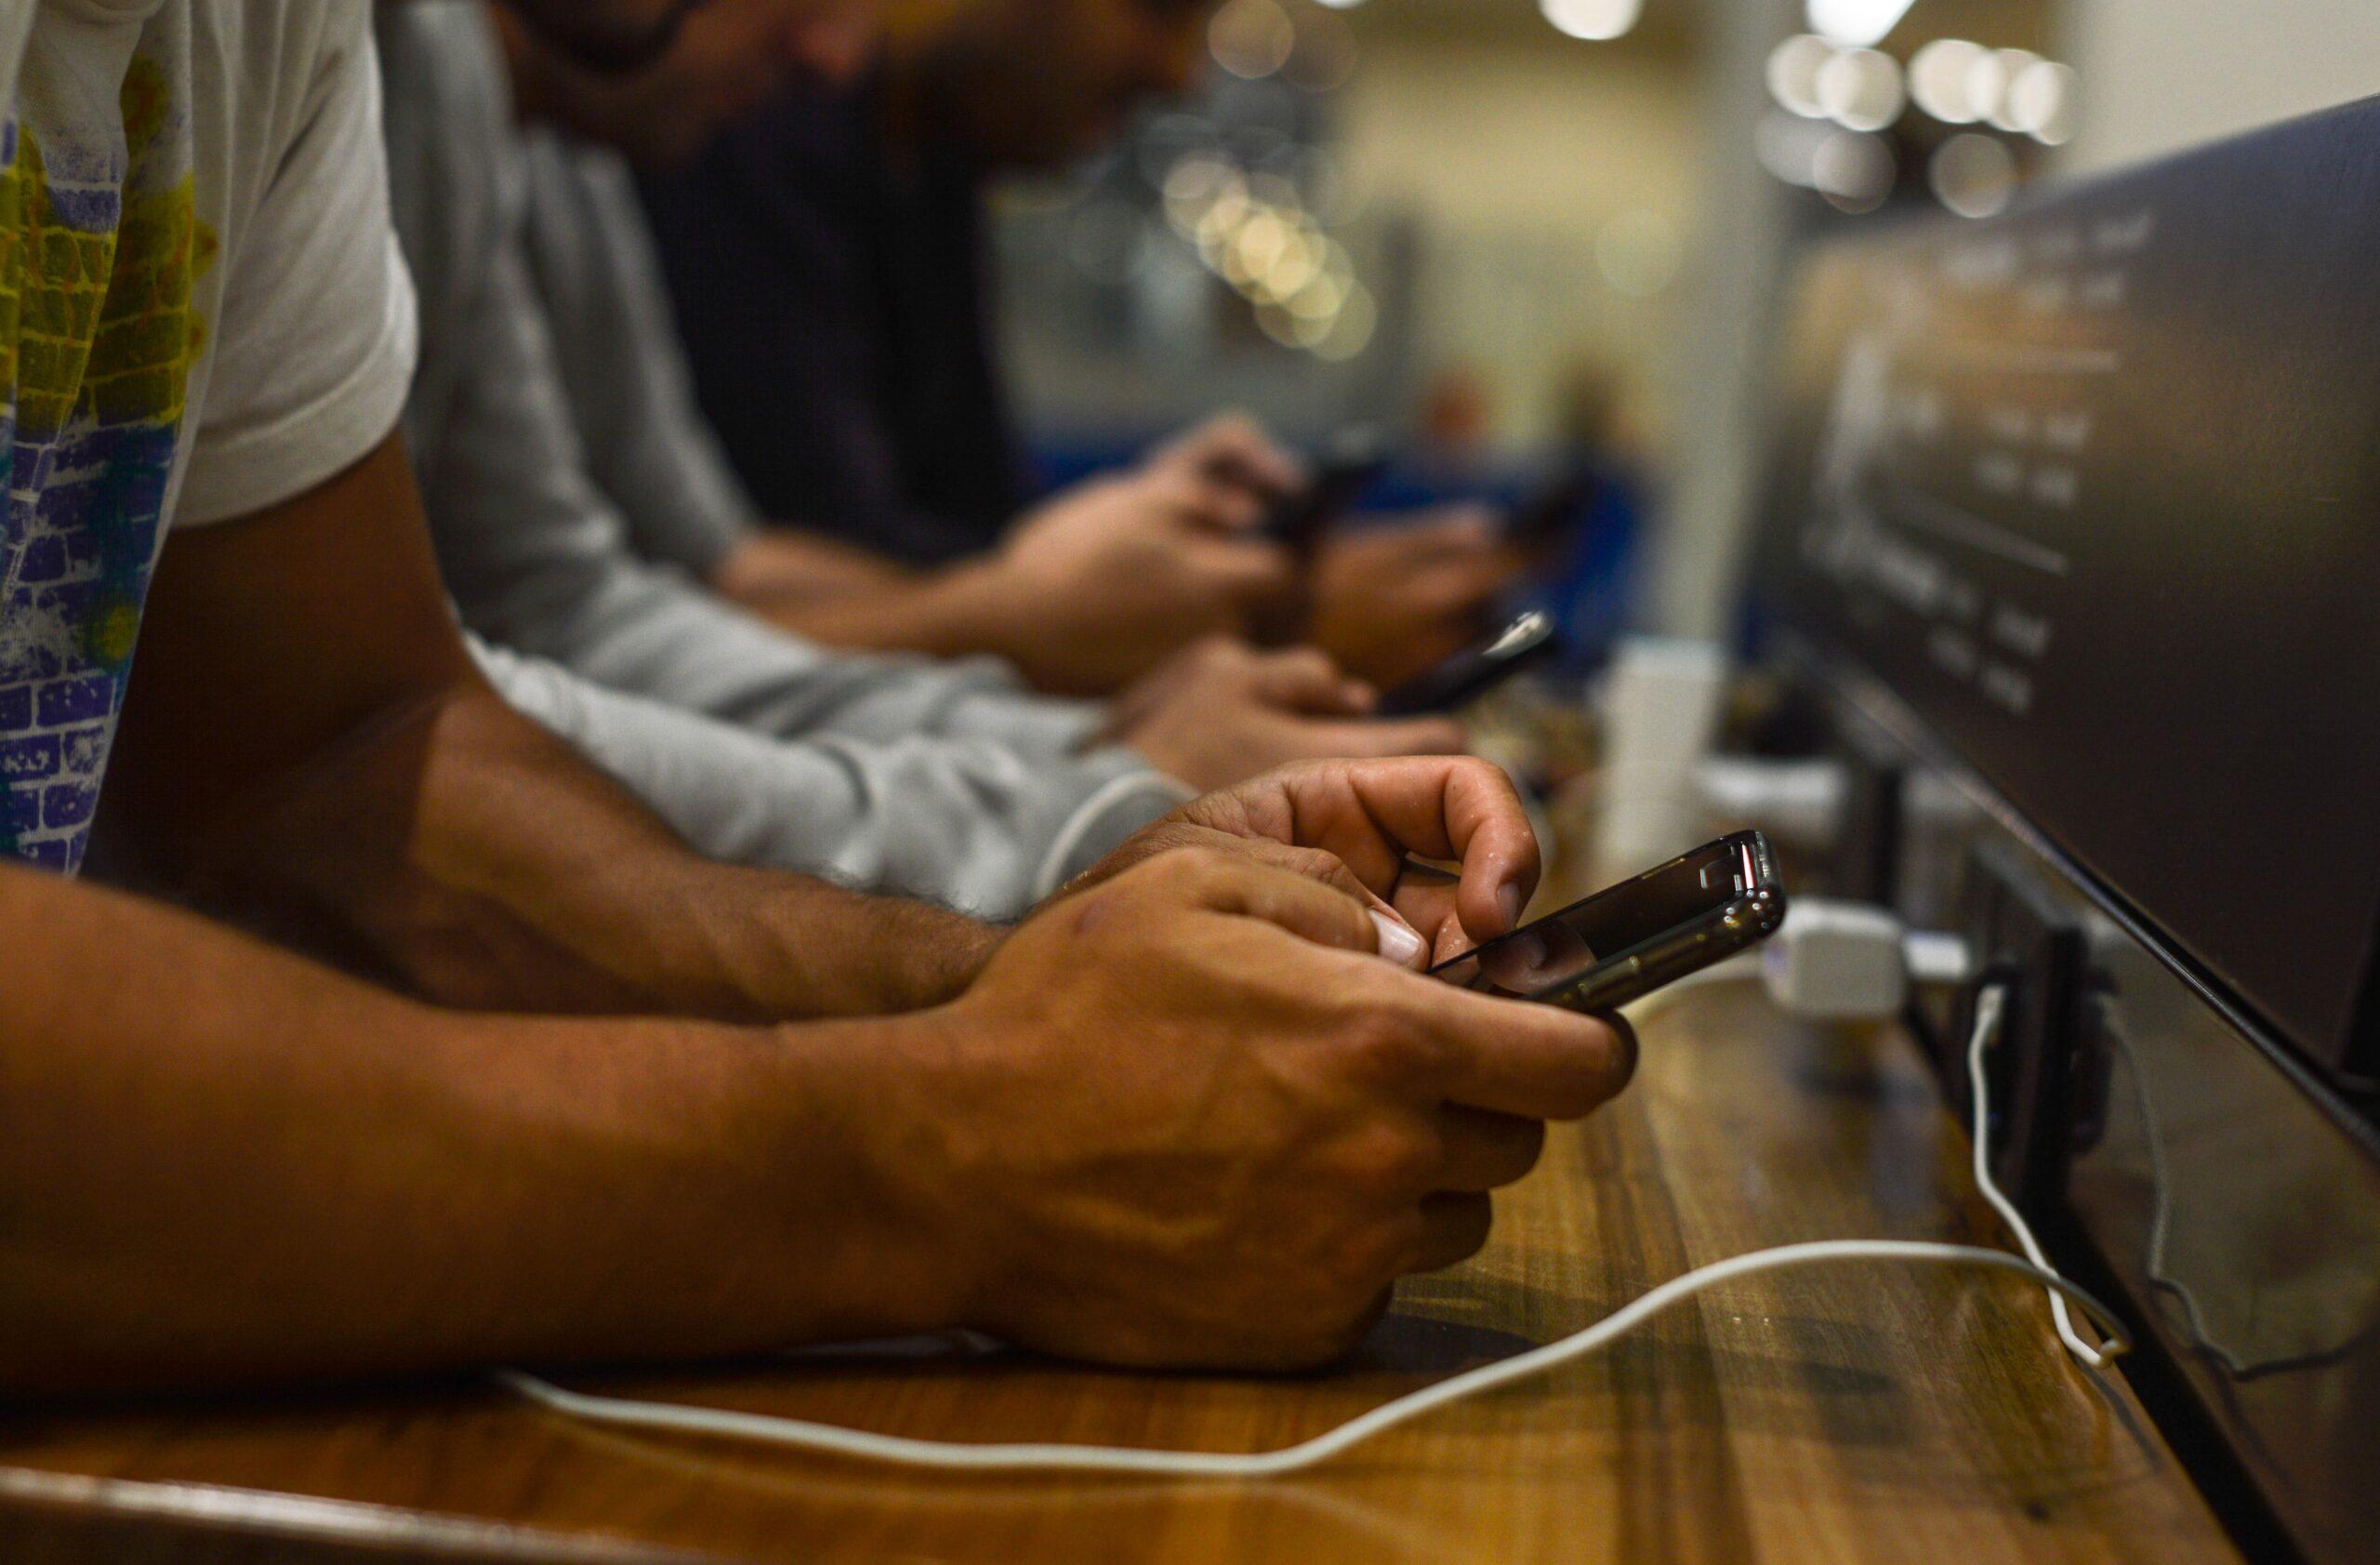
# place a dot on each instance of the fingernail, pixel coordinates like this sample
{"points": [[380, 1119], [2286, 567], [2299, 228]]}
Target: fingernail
{"points": [[1509, 899], [1398, 943]]}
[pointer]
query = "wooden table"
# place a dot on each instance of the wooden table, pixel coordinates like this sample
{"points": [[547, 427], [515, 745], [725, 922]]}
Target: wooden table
{"points": [[1858, 1412]]}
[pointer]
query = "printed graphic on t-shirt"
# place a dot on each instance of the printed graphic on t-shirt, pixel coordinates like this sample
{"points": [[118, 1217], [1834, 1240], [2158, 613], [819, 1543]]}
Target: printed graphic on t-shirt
{"points": [[99, 246]]}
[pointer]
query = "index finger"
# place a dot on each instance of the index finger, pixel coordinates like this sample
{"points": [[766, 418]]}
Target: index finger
{"points": [[1456, 808]]}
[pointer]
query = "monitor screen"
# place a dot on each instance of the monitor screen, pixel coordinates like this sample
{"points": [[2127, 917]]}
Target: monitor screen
{"points": [[2094, 489]]}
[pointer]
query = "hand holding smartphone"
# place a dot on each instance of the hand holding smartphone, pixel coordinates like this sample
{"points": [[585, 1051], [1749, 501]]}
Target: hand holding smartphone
{"points": [[1623, 944]]}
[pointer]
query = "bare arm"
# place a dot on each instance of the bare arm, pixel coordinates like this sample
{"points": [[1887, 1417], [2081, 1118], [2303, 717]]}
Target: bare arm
{"points": [[1087, 593], [309, 744], [222, 1165]]}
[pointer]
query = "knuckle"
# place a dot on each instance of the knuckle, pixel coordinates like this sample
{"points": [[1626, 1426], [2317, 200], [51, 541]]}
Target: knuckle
{"points": [[1321, 864], [1216, 653], [1390, 1161], [1605, 1060], [1361, 1261], [1387, 1050], [1199, 865], [1177, 869]]}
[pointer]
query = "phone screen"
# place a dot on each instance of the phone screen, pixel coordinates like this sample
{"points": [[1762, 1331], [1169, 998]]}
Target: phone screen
{"points": [[1554, 954]]}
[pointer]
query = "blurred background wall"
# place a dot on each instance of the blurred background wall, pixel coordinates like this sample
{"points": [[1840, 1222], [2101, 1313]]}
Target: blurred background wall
{"points": [[2164, 73], [1518, 231]]}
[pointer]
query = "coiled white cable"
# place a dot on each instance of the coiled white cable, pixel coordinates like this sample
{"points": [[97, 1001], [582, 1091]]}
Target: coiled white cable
{"points": [[834, 1440], [1990, 1008]]}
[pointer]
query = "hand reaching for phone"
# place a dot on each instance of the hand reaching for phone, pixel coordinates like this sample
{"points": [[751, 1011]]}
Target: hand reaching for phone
{"points": [[1222, 711], [1359, 825], [1392, 601], [1104, 582]]}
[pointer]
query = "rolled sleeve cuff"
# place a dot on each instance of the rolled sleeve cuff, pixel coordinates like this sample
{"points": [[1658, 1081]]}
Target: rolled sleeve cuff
{"points": [[246, 470]]}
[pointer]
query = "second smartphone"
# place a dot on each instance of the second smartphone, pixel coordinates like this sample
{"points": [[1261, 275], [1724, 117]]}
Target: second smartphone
{"points": [[1528, 640]]}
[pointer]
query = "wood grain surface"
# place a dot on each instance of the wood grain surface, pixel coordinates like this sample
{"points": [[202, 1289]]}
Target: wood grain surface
{"points": [[1859, 1413]]}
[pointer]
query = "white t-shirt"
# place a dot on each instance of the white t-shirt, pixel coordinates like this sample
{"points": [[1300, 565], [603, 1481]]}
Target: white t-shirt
{"points": [[203, 312]]}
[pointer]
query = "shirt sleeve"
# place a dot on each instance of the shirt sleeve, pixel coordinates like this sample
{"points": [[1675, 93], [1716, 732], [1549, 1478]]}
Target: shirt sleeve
{"points": [[630, 393], [314, 350], [970, 823]]}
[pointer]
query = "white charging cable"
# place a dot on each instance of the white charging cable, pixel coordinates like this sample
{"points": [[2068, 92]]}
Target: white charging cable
{"points": [[1829, 936], [834, 1440], [1990, 1009]]}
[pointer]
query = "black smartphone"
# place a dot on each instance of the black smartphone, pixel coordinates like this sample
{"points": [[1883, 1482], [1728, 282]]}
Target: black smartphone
{"points": [[1623, 944], [1546, 522], [1475, 670], [1353, 464]]}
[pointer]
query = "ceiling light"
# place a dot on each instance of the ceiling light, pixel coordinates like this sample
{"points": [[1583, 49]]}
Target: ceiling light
{"points": [[1595, 20], [1793, 68], [1857, 24], [1861, 89], [1937, 79]]}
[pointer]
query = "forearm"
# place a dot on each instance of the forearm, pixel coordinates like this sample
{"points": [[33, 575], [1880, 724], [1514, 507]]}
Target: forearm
{"points": [[312, 746], [481, 864], [223, 1166], [955, 612]]}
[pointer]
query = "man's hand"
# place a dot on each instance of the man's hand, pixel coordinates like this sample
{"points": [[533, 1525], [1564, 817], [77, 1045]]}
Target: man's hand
{"points": [[1234, 449], [1222, 712], [1359, 826], [1392, 601], [1115, 574], [1188, 1117]]}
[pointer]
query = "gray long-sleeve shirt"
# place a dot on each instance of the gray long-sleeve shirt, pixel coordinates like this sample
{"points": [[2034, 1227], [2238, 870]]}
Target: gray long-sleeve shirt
{"points": [[623, 367], [935, 781]]}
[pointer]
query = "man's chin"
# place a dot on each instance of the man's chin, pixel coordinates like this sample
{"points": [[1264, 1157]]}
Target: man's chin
{"points": [[612, 37]]}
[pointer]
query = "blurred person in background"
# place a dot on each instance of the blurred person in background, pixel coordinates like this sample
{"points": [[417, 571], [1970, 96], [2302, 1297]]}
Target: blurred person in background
{"points": [[942, 781], [825, 257]]}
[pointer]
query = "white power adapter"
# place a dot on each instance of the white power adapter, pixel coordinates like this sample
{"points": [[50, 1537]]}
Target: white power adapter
{"points": [[1835, 962], [1845, 960]]}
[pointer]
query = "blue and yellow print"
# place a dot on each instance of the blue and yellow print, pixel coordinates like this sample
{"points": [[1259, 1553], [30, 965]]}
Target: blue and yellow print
{"points": [[100, 244]]}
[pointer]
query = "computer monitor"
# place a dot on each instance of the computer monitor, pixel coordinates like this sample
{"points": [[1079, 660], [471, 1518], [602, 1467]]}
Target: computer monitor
{"points": [[2093, 490]]}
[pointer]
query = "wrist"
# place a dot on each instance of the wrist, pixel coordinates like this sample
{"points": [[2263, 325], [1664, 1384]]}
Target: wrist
{"points": [[983, 605], [951, 951], [891, 1097]]}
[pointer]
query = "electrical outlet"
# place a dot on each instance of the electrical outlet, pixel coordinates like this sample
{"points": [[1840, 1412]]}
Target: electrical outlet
{"points": [[2024, 937]]}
